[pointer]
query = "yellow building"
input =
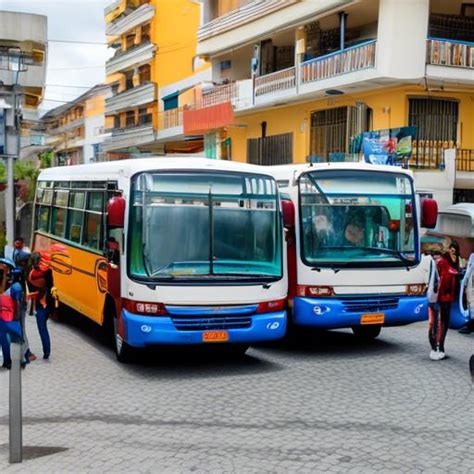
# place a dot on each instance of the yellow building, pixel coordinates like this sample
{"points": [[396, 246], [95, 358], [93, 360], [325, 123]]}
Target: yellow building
{"points": [[76, 131], [155, 43], [295, 80]]}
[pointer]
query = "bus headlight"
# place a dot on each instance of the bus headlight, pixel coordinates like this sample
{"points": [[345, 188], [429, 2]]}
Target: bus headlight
{"points": [[304, 290], [416, 289], [145, 309]]}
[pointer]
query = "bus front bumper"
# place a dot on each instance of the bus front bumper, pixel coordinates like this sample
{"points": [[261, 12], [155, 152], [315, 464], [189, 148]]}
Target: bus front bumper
{"points": [[333, 313], [142, 331]]}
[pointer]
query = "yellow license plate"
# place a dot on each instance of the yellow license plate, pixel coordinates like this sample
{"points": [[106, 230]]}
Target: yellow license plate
{"points": [[372, 318], [215, 336]]}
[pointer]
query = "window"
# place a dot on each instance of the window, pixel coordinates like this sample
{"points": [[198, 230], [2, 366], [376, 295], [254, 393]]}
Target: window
{"points": [[96, 202], [47, 197], [144, 73], [58, 221], [92, 231], [435, 119], [61, 198], [130, 118], [128, 80], [43, 218], [77, 199], [272, 150], [74, 227]]}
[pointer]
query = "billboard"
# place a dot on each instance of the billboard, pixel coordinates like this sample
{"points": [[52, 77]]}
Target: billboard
{"points": [[385, 147]]}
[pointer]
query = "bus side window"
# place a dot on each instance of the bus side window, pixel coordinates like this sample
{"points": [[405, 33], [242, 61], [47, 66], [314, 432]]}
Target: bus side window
{"points": [[92, 232]]}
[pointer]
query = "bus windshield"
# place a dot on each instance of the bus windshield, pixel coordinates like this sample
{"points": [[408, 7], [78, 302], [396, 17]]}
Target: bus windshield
{"points": [[357, 218], [194, 225]]}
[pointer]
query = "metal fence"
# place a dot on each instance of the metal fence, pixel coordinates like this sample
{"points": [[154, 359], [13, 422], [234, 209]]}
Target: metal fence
{"points": [[272, 150]]}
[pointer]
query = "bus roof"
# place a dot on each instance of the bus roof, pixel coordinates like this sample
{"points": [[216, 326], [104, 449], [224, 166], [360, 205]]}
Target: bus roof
{"points": [[461, 209], [286, 172], [110, 170]]}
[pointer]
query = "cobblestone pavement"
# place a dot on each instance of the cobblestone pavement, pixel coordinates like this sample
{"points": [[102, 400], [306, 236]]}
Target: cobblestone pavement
{"points": [[331, 404]]}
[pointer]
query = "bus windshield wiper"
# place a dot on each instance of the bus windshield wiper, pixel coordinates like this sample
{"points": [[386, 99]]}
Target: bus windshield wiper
{"points": [[395, 253]]}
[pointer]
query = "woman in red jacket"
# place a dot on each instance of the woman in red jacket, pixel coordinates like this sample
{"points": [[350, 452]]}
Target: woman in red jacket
{"points": [[448, 269]]}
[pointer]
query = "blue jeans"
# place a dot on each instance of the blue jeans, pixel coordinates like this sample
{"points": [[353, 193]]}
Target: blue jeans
{"points": [[42, 322], [5, 343]]}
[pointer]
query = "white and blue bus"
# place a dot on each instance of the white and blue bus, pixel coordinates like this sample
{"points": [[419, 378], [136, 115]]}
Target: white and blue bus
{"points": [[167, 251], [353, 235]]}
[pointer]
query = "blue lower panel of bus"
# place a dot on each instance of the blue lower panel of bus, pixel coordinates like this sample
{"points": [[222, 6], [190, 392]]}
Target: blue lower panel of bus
{"points": [[189, 328], [333, 313]]}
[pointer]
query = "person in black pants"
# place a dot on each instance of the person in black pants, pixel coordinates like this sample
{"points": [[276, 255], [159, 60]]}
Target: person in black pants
{"points": [[449, 272]]}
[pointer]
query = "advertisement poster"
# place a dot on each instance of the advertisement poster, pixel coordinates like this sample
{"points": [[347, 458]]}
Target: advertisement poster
{"points": [[386, 147]]}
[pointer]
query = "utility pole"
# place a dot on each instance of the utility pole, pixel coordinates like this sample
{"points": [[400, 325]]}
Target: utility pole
{"points": [[10, 102], [12, 153]]}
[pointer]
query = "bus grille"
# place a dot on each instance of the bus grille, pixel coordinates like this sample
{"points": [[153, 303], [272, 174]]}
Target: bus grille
{"points": [[369, 305], [211, 322]]}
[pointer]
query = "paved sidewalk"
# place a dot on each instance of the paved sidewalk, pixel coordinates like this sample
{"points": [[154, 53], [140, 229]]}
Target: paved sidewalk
{"points": [[329, 405]]}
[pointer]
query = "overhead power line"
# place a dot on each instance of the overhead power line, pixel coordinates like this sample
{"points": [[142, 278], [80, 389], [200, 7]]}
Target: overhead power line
{"points": [[69, 86], [74, 68], [98, 43]]}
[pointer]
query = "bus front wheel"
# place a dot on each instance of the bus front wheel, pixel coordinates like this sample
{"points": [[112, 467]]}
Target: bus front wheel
{"points": [[123, 351], [366, 333]]}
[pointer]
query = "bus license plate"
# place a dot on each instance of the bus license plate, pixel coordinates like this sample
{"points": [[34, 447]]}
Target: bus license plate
{"points": [[372, 318], [215, 336]]}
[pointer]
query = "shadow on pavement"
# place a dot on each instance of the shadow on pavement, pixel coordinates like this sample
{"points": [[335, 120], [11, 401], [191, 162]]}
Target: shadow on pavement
{"points": [[34, 452], [171, 361], [308, 341]]}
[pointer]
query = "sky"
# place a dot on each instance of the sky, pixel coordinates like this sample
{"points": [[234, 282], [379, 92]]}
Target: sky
{"points": [[75, 63]]}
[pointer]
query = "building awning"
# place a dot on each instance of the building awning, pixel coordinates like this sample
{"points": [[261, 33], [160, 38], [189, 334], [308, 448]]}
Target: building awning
{"points": [[197, 122]]}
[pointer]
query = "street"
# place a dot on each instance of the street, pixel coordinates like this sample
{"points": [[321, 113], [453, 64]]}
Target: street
{"points": [[329, 404]]}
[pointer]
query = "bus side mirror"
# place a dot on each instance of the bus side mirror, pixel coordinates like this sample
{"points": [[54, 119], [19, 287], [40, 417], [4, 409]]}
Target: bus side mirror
{"points": [[116, 212], [429, 213], [288, 209]]}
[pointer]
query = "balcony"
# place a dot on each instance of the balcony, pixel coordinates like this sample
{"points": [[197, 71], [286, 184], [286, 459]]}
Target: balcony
{"points": [[217, 35], [140, 15], [131, 136], [69, 126], [219, 95], [352, 59], [450, 60], [135, 56], [111, 7], [275, 85], [134, 97], [170, 124]]}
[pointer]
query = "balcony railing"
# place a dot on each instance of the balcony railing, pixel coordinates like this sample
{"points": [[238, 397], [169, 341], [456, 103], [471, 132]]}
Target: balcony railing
{"points": [[355, 58], [275, 81], [170, 118], [145, 120], [219, 95], [464, 160], [429, 154], [446, 52]]}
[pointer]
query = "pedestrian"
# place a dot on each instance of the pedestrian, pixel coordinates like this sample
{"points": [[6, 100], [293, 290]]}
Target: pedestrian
{"points": [[11, 303], [21, 258], [448, 267], [41, 280]]}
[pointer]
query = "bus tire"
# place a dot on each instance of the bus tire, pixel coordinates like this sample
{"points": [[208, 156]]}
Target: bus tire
{"points": [[366, 333], [123, 351]]}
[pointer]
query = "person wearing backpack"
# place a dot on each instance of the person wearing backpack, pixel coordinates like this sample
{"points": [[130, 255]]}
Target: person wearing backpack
{"points": [[11, 305], [448, 267], [40, 279]]}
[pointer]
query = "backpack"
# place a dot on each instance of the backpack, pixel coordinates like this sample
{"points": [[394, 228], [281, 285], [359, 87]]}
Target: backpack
{"points": [[7, 308]]}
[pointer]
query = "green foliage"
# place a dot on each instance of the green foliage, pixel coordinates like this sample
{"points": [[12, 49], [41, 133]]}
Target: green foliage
{"points": [[25, 173], [46, 159]]}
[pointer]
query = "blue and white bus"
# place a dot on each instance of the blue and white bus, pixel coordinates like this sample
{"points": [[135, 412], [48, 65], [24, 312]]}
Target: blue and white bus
{"points": [[353, 235]]}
